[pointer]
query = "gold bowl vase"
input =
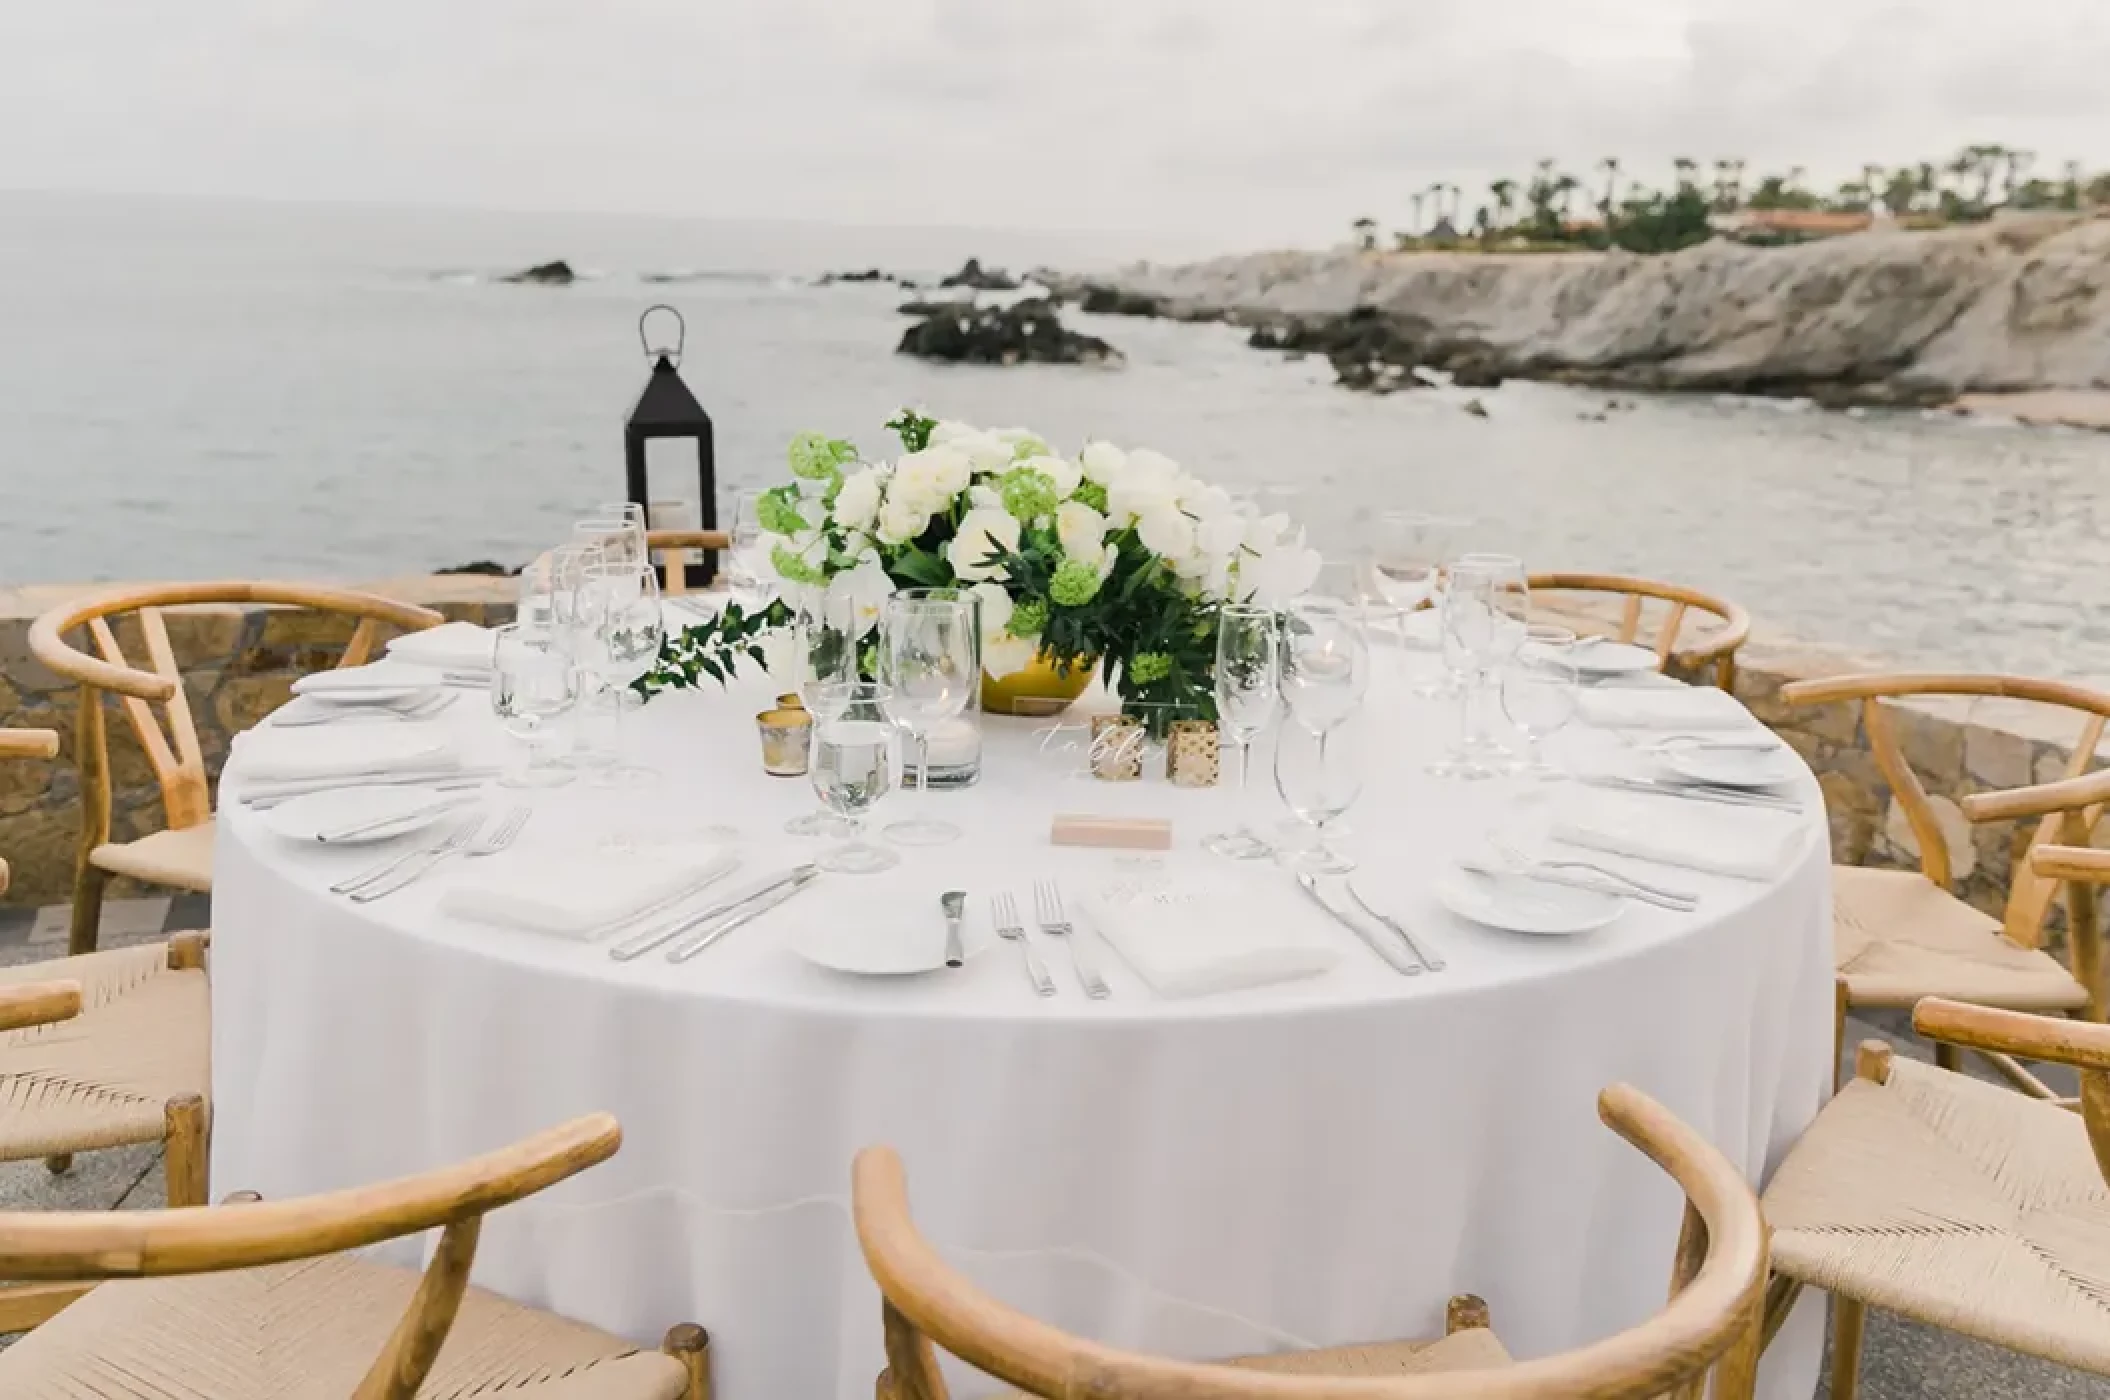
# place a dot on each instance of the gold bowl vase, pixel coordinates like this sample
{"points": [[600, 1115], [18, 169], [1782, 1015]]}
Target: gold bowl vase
{"points": [[1039, 690]]}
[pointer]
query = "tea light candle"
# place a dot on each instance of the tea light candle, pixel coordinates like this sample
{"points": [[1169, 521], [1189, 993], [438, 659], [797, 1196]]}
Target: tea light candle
{"points": [[953, 743]]}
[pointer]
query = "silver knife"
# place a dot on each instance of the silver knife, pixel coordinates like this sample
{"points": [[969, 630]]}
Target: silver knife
{"points": [[710, 875], [1433, 964], [954, 903], [346, 833], [1392, 956], [1728, 797], [1592, 883], [643, 943], [756, 907]]}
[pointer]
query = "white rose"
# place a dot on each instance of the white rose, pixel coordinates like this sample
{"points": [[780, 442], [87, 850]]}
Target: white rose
{"points": [[1059, 470], [948, 429], [857, 504], [1023, 442], [1079, 527], [1219, 536], [986, 454], [982, 533], [1008, 656], [931, 478], [901, 519], [1102, 462], [1166, 532], [994, 611], [1145, 462], [980, 497]]}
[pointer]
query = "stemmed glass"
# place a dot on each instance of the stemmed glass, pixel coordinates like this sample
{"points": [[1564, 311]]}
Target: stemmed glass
{"points": [[1325, 661], [621, 633], [930, 662], [1320, 775], [1248, 661], [619, 539], [1485, 606], [1540, 693], [825, 641], [853, 767], [532, 683], [1406, 553], [747, 561]]}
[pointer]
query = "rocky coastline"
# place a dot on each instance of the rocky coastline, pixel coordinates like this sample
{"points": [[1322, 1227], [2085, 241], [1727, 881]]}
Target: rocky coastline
{"points": [[1888, 317]]}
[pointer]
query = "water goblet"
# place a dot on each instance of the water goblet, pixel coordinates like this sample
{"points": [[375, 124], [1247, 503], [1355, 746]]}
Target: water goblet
{"points": [[532, 684], [1248, 666], [1540, 694], [619, 541], [825, 652], [1319, 775], [852, 768], [748, 573], [930, 662], [621, 633], [1470, 623]]}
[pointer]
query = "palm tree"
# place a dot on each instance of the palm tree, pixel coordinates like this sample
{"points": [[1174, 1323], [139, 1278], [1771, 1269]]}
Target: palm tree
{"points": [[1415, 227], [1564, 190], [2018, 166], [1505, 193], [1687, 168], [2070, 196], [1365, 233], [1872, 184], [1736, 184], [1985, 163], [1610, 166]]}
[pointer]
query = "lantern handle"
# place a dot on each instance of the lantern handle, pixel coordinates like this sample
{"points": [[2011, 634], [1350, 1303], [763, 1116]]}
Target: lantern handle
{"points": [[681, 334]]}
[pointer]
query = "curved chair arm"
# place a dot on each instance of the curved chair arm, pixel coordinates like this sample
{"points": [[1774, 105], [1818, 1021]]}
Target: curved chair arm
{"points": [[85, 1245], [2085, 864], [38, 1003], [1735, 621], [2066, 795], [2081, 1044], [1825, 690], [29, 743]]}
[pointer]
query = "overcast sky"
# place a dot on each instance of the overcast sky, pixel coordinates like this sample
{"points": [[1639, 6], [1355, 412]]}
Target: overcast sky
{"points": [[1262, 119]]}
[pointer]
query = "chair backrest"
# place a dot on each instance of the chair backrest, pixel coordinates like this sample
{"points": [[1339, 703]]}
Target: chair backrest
{"points": [[672, 546], [84, 1246], [2081, 1045], [1716, 647], [1714, 1315], [173, 751], [25, 743], [2030, 893]]}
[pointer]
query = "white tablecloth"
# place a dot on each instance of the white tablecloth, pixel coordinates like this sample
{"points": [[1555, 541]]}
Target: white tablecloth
{"points": [[1312, 1163]]}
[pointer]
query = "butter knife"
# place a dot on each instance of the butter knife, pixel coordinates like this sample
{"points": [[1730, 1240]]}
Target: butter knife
{"points": [[1393, 957], [757, 906], [1427, 960], [643, 943], [1727, 797], [954, 903]]}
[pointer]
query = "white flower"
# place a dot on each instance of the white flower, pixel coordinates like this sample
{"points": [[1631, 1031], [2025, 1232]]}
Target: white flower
{"points": [[928, 480], [857, 504], [1002, 653], [995, 609], [1166, 532], [986, 454], [1150, 483], [1080, 528], [1219, 536], [981, 497], [865, 590], [1023, 442], [1145, 462], [901, 520], [948, 429], [1102, 462], [1059, 470], [982, 532], [1273, 576]]}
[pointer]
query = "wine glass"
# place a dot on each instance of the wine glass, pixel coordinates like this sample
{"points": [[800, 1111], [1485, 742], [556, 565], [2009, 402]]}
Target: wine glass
{"points": [[619, 540], [1540, 693], [747, 568], [825, 652], [1320, 775], [621, 635], [1248, 663], [1470, 624], [532, 683], [1325, 661], [930, 662], [852, 768]]}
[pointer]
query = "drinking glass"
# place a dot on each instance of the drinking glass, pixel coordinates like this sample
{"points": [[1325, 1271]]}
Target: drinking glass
{"points": [[621, 633], [1319, 775], [852, 768], [1470, 624], [619, 541], [930, 662], [1540, 693], [1325, 661], [825, 652], [747, 569], [1248, 663], [532, 683]]}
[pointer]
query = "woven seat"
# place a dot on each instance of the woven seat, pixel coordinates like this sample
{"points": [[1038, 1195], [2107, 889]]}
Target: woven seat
{"points": [[1898, 937], [312, 1329], [105, 1077], [179, 858]]}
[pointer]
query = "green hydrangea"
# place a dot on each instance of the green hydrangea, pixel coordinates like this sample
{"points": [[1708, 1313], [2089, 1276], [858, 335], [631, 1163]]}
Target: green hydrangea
{"points": [[1028, 495], [795, 569], [1075, 583], [1029, 617], [816, 457], [1150, 667], [777, 511], [1029, 447], [1092, 494]]}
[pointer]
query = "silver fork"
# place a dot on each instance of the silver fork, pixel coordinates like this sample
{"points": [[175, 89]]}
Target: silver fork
{"points": [[1048, 911], [1519, 858], [1005, 914], [423, 708], [454, 836], [489, 844]]}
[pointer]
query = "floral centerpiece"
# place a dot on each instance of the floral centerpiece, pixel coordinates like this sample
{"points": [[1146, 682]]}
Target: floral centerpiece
{"points": [[1117, 555]]}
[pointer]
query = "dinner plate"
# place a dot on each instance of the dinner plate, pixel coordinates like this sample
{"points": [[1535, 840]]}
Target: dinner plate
{"points": [[1737, 768], [1602, 658], [402, 810], [1519, 904], [884, 949]]}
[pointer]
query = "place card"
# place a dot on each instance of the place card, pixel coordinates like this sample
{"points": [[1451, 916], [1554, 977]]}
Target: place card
{"points": [[1120, 833]]}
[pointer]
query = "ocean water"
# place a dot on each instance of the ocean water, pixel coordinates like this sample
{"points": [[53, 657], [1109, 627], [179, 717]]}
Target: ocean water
{"points": [[191, 390]]}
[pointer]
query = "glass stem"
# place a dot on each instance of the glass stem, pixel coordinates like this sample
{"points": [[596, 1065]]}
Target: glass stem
{"points": [[1245, 762], [922, 768], [615, 726]]}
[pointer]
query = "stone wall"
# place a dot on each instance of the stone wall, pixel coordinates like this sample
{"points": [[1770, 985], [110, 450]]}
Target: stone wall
{"points": [[238, 665]]}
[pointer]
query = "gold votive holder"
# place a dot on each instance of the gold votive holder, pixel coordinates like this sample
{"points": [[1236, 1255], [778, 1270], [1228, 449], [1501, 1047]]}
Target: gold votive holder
{"points": [[1193, 754], [787, 738], [1117, 748]]}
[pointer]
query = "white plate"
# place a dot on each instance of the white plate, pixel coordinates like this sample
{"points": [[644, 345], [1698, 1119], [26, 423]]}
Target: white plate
{"points": [[1737, 768], [1610, 659], [883, 950], [1521, 905], [395, 693], [309, 817]]}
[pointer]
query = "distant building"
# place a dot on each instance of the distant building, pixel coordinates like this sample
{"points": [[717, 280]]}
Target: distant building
{"points": [[1788, 225]]}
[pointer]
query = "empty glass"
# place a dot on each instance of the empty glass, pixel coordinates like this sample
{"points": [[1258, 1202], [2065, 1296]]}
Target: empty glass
{"points": [[1248, 662], [618, 539], [1484, 601], [1540, 693], [852, 768], [825, 652], [1319, 775], [533, 683], [620, 635], [748, 572], [1325, 661], [930, 663]]}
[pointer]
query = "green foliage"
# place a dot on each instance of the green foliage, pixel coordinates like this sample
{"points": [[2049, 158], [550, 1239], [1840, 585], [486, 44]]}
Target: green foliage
{"points": [[816, 456], [777, 511], [1029, 617], [1028, 494], [796, 569], [1073, 584], [912, 428], [1092, 494], [712, 648]]}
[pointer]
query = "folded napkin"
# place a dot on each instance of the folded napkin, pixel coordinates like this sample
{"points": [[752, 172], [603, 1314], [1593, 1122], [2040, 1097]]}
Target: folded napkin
{"points": [[1189, 938], [453, 645], [581, 893], [1685, 707], [1748, 842], [349, 682], [271, 755]]}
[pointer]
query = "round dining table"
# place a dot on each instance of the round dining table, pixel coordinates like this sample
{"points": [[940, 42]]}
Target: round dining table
{"points": [[1313, 1162]]}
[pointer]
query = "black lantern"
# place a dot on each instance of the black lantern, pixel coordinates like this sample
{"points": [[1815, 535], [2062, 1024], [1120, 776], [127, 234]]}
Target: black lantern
{"points": [[668, 410]]}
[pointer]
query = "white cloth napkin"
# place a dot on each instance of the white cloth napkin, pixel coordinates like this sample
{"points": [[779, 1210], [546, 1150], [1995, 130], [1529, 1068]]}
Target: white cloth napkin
{"points": [[453, 645], [1693, 707], [269, 755], [1746, 842], [573, 895], [1187, 938], [349, 682]]}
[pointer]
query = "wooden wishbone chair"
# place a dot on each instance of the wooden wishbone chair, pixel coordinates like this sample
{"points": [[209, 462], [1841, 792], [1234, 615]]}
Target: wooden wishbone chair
{"points": [[1900, 935], [1711, 1322], [672, 547], [102, 1050], [1951, 1201], [1716, 647], [180, 855], [261, 1302]]}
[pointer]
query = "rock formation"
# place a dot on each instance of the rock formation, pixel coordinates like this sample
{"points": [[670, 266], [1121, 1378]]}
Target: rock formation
{"points": [[1003, 335], [972, 275], [552, 274]]}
